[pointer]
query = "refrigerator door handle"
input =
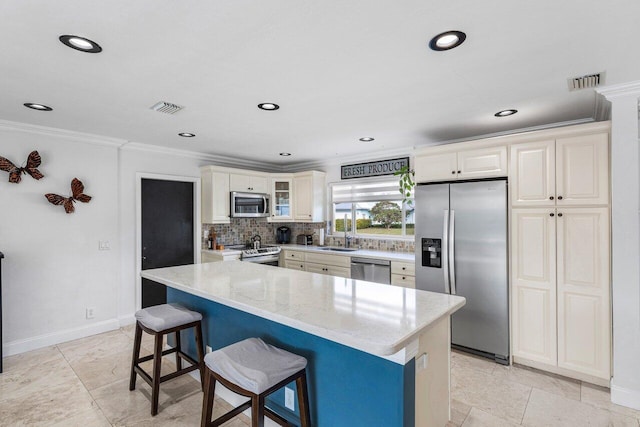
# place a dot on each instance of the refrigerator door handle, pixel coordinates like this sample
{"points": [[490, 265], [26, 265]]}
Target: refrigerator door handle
{"points": [[445, 256], [452, 256]]}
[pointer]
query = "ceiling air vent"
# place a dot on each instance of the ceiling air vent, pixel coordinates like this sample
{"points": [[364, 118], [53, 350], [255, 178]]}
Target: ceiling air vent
{"points": [[166, 107], [585, 82]]}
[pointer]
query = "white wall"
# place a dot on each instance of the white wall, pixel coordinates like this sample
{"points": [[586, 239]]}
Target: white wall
{"points": [[53, 269]]}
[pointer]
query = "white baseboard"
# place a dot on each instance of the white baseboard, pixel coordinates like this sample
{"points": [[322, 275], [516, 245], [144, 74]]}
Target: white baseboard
{"points": [[40, 341], [127, 320], [625, 397]]}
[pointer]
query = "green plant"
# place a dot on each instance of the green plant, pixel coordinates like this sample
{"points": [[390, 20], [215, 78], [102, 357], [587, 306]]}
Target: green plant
{"points": [[386, 213], [406, 184]]}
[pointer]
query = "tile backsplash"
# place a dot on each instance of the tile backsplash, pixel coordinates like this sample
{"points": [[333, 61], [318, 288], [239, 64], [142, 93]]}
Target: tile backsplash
{"points": [[241, 230]]}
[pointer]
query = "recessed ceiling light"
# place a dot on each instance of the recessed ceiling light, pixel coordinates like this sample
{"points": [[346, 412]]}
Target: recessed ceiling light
{"points": [[367, 139], [269, 106], [285, 154], [447, 40], [39, 107], [187, 134], [505, 113], [80, 43]]}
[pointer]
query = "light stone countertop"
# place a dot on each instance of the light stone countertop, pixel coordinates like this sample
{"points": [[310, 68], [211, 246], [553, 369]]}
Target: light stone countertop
{"points": [[362, 253], [374, 318]]}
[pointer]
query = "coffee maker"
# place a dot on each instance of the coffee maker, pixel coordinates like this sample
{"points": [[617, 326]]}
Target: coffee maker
{"points": [[283, 235]]}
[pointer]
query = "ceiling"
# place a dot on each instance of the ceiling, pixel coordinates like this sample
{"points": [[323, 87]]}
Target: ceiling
{"points": [[340, 70]]}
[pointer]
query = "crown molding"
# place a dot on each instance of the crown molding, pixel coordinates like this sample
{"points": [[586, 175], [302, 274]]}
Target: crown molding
{"points": [[602, 109], [62, 133], [213, 159], [620, 90], [514, 132], [357, 158]]}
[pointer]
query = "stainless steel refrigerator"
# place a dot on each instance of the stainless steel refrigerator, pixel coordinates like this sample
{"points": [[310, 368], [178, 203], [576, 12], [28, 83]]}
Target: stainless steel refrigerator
{"points": [[461, 248]]}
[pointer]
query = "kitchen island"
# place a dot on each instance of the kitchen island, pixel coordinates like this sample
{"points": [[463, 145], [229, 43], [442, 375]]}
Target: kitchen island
{"points": [[378, 354]]}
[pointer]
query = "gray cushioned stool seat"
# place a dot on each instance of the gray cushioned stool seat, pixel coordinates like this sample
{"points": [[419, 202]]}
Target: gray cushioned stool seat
{"points": [[166, 316], [254, 365]]}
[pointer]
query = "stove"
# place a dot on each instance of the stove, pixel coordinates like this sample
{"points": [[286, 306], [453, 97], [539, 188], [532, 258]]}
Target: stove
{"points": [[265, 255]]}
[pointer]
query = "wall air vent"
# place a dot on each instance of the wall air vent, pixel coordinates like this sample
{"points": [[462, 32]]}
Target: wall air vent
{"points": [[166, 107], [585, 82]]}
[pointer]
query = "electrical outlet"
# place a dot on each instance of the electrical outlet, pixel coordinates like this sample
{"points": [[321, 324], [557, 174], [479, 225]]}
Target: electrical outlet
{"points": [[104, 245], [208, 349], [91, 312], [289, 399]]}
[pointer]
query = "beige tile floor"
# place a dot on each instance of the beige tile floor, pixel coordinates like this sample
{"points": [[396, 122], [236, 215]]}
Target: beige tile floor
{"points": [[84, 383]]}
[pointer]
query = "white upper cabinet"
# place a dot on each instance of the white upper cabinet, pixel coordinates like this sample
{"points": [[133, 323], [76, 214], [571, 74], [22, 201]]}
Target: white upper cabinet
{"points": [[464, 164], [582, 170], [281, 198], [215, 196], [564, 171], [533, 174], [482, 163], [309, 196], [436, 167], [249, 183]]}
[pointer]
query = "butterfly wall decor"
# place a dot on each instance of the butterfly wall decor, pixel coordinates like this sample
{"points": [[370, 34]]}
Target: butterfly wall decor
{"points": [[15, 172], [77, 189]]}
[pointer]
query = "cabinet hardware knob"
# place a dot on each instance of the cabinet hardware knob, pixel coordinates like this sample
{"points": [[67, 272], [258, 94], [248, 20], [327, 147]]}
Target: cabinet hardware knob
{"points": [[550, 197], [404, 278], [404, 268], [559, 197], [459, 171], [453, 172], [551, 214], [560, 214]]}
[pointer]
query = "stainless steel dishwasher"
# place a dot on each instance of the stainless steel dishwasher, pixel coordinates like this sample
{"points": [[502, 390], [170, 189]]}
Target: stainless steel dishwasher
{"points": [[372, 270]]}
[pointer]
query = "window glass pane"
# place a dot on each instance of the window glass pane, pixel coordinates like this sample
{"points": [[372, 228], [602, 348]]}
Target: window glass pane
{"points": [[339, 212], [382, 218], [410, 220]]}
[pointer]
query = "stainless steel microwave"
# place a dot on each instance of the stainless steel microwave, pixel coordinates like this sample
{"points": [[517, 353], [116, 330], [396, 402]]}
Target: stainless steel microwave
{"points": [[249, 205]]}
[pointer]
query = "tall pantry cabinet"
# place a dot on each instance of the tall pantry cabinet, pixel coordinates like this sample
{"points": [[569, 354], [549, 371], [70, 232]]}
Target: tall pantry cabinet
{"points": [[560, 262]]}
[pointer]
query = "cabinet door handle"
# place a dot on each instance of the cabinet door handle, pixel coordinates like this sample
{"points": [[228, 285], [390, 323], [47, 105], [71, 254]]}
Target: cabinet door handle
{"points": [[551, 214], [404, 268], [550, 197], [404, 278], [560, 214], [459, 172], [559, 197], [453, 172]]}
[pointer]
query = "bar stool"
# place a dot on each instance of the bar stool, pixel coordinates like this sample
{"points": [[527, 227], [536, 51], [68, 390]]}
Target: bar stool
{"points": [[254, 369], [158, 321]]}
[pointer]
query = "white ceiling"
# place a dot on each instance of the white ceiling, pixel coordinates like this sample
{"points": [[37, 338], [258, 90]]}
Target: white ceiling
{"points": [[340, 70]]}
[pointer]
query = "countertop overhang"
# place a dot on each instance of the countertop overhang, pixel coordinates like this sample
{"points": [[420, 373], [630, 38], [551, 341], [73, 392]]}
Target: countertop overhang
{"points": [[371, 317]]}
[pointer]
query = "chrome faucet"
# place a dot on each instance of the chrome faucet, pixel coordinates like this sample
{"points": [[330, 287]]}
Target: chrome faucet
{"points": [[347, 238]]}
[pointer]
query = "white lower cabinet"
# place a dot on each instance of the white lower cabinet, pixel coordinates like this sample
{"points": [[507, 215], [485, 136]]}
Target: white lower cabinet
{"points": [[560, 299], [333, 265], [294, 264], [403, 274]]}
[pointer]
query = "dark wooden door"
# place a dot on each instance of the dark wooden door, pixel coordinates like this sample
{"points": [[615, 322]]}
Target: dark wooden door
{"points": [[167, 231]]}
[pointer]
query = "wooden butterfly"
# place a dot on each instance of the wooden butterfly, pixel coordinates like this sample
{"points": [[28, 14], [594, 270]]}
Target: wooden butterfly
{"points": [[15, 173], [77, 189]]}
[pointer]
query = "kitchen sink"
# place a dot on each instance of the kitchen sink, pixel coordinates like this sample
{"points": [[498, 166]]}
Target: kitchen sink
{"points": [[339, 249]]}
